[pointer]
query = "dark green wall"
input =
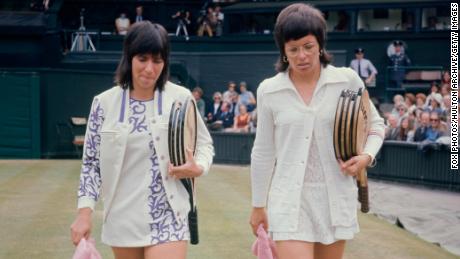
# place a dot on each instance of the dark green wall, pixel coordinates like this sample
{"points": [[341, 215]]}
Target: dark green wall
{"points": [[20, 113]]}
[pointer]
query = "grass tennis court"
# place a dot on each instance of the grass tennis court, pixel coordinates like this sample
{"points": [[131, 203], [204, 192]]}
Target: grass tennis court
{"points": [[38, 200]]}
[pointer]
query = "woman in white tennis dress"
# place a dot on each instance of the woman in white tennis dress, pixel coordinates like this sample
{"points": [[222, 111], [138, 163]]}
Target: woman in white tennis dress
{"points": [[302, 195], [126, 158]]}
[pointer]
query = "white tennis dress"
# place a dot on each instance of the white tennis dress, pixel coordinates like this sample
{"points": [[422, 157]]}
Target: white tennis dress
{"points": [[314, 217], [140, 214]]}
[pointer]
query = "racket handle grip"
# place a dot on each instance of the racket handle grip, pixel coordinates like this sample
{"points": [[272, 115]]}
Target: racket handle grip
{"points": [[363, 198], [193, 226]]}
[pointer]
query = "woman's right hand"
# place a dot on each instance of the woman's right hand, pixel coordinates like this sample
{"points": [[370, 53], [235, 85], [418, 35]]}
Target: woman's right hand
{"points": [[258, 216], [81, 227]]}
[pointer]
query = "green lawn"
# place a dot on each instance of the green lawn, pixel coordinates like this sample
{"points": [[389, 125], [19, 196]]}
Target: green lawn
{"points": [[38, 200]]}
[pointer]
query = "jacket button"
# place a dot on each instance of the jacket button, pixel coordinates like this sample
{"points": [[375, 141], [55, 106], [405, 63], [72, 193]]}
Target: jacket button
{"points": [[162, 157], [166, 178], [154, 121], [178, 214], [157, 138], [171, 197]]}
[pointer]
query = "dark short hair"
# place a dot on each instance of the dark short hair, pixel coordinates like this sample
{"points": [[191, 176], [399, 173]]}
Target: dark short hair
{"points": [[143, 38], [297, 21]]}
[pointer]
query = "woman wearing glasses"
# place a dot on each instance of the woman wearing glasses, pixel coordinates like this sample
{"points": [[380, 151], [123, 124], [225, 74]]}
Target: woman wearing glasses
{"points": [[302, 195]]}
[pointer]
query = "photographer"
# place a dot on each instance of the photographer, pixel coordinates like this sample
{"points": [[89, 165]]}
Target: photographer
{"points": [[183, 20]]}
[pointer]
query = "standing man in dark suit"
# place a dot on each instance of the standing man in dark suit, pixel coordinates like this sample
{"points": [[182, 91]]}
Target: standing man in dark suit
{"points": [[139, 14]]}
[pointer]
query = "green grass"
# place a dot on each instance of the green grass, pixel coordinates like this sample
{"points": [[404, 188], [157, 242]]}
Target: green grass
{"points": [[38, 204]]}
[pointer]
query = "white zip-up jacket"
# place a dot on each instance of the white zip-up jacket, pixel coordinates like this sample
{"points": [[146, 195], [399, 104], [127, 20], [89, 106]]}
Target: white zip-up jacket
{"points": [[281, 148], [102, 169]]}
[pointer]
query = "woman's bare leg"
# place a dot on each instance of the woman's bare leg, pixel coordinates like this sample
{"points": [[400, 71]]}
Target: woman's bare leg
{"points": [[293, 249], [169, 250], [332, 251], [128, 252]]}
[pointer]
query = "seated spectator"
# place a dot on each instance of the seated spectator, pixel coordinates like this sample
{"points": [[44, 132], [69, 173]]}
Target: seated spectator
{"points": [[122, 24], [445, 79], [226, 116], [435, 101], [215, 108], [420, 100], [234, 104], [434, 87], [228, 95], [436, 129], [446, 108], [445, 90], [200, 104], [242, 121], [420, 132], [246, 97], [392, 131], [402, 112], [397, 99], [406, 130], [409, 101]]}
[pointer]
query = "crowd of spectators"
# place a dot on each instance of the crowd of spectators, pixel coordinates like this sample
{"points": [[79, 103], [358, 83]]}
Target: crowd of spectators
{"points": [[421, 117], [232, 111], [209, 21]]}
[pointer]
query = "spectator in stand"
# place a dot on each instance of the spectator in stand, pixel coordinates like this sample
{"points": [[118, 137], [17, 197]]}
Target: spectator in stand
{"points": [[409, 101], [226, 116], [445, 79], [420, 100], [436, 129], [122, 24], [434, 87], [402, 112], [392, 131], [234, 103], [420, 132], [139, 15], [406, 130], [215, 108], [228, 95], [445, 90], [246, 97], [200, 104], [220, 20], [397, 99], [446, 108], [242, 121], [435, 101]]}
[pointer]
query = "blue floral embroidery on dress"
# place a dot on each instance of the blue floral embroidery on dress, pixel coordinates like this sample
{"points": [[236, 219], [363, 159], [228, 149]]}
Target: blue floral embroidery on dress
{"points": [[164, 226], [137, 118], [90, 177]]}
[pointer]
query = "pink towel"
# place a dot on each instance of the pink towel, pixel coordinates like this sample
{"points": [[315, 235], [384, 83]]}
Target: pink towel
{"points": [[263, 247], [86, 249]]}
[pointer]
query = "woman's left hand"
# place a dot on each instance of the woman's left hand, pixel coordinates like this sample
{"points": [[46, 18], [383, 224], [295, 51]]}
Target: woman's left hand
{"points": [[355, 164], [188, 170]]}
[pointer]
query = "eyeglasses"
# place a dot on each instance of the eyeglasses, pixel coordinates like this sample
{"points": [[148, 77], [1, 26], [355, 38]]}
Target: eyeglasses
{"points": [[401, 109], [434, 119], [308, 49]]}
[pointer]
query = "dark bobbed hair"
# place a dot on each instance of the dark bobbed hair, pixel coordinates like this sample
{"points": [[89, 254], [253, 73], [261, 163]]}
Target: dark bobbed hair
{"points": [[297, 21], [143, 38]]}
